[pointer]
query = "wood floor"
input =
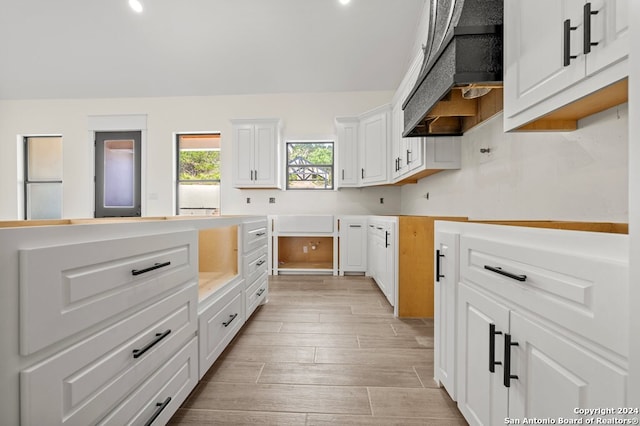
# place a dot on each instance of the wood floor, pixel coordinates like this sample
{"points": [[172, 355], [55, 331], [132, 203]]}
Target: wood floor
{"points": [[323, 351]]}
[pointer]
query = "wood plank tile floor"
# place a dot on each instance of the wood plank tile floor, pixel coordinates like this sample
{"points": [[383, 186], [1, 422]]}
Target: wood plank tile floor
{"points": [[323, 351]]}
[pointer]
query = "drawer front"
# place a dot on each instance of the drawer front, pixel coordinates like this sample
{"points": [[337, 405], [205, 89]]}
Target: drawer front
{"points": [[254, 265], [254, 235], [257, 293], [304, 224], [161, 395], [66, 289], [83, 383], [581, 292], [218, 324]]}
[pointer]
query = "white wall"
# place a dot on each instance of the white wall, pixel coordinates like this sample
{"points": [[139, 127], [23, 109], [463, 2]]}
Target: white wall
{"points": [[303, 115], [579, 175]]}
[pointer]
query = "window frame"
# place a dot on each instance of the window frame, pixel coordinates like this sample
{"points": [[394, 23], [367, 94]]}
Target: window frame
{"points": [[27, 181], [331, 166], [178, 181]]}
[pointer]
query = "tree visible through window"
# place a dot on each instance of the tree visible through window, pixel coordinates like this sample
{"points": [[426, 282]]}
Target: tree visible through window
{"points": [[310, 165], [198, 183]]}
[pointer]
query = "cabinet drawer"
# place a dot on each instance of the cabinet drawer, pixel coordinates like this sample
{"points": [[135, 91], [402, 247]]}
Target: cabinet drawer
{"points": [[66, 289], [162, 394], [218, 324], [254, 265], [254, 235], [257, 293], [583, 291], [83, 383]]}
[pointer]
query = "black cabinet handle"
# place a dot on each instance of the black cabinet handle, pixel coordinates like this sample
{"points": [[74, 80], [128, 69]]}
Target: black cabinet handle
{"points": [[587, 43], [354, 226], [567, 42], [408, 161], [261, 262], [492, 348], [251, 174], [397, 165], [386, 238], [260, 292], [362, 173], [507, 360], [255, 174], [260, 234], [150, 268], [231, 318], [342, 174], [161, 406], [498, 270], [137, 353], [438, 274]]}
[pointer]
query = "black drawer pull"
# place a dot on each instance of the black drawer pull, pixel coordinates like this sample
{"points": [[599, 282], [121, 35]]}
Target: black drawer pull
{"points": [[438, 274], [492, 348], [567, 43], [587, 43], [137, 353], [161, 406], [354, 226], [261, 262], [260, 234], [231, 318], [386, 238], [260, 292], [362, 174], [507, 360], [150, 268], [499, 270]]}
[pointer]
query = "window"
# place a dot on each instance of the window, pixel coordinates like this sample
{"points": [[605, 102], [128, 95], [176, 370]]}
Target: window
{"points": [[309, 165], [198, 172], [43, 177]]}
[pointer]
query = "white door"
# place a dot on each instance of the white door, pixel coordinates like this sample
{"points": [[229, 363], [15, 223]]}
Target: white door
{"points": [[556, 375], [353, 245], [610, 29], [482, 397], [348, 172], [265, 152], [380, 261], [374, 149], [243, 136], [534, 50], [445, 280]]}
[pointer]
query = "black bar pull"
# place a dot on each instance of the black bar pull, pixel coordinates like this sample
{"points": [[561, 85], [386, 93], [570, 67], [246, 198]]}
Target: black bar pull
{"points": [[260, 234], [231, 318], [251, 173], [260, 292], [397, 164], [498, 270], [255, 174], [137, 353], [587, 43], [342, 174], [492, 348], [161, 406], [386, 238], [354, 226], [507, 360], [567, 42], [438, 274], [261, 262], [150, 268], [362, 174]]}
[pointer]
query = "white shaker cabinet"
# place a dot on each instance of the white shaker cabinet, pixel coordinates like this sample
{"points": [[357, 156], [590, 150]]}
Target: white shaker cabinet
{"points": [[347, 170], [353, 244], [558, 51], [374, 145], [256, 153], [382, 248]]}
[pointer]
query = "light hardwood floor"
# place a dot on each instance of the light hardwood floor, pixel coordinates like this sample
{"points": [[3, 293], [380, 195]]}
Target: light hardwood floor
{"points": [[323, 351]]}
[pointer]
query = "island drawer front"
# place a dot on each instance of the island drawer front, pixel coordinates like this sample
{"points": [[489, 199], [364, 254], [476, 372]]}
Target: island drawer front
{"points": [[257, 293], [66, 289], [218, 324], [173, 380], [580, 292], [254, 265], [254, 235], [81, 384]]}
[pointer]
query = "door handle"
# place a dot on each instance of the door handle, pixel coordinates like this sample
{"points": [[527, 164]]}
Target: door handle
{"points": [[150, 268], [507, 360], [230, 320], [586, 34], [161, 406], [498, 270], [137, 353], [362, 173], [386, 238], [408, 154], [567, 42], [438, 275], [492, 348]]}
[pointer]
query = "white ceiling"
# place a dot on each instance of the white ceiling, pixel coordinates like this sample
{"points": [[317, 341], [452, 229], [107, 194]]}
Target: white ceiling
{"points": [[101, 48]]}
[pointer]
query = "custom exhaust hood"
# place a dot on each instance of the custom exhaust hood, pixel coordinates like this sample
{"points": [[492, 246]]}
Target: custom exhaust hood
{"points": [[460, 83]]}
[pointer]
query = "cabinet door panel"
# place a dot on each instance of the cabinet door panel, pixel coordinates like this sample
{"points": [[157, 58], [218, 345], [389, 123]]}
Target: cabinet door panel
{"points": [[374, 149], [353, 244], [445, 309], [265, 149], [555, 375], [534, 50], [610, 29], [243, 155], [348, 172], [482, 398]]}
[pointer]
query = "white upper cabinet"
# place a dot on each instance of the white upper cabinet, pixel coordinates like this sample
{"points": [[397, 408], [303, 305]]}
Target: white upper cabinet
{"points": [[348, 173], [559, 51], [256, 153], [374, 143]]}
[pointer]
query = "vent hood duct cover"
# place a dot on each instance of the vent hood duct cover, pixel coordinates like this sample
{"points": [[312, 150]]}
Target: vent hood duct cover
{"points": [[463, 50]]}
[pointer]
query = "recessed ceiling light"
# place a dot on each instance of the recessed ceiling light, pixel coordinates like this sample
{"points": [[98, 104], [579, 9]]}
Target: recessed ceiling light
{"points": [[345, 1], [136, 5]]}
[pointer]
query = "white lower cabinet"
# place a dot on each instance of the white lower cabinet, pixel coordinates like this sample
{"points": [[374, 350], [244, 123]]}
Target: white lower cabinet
{"points": [[353, 244], [382, 255]]}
